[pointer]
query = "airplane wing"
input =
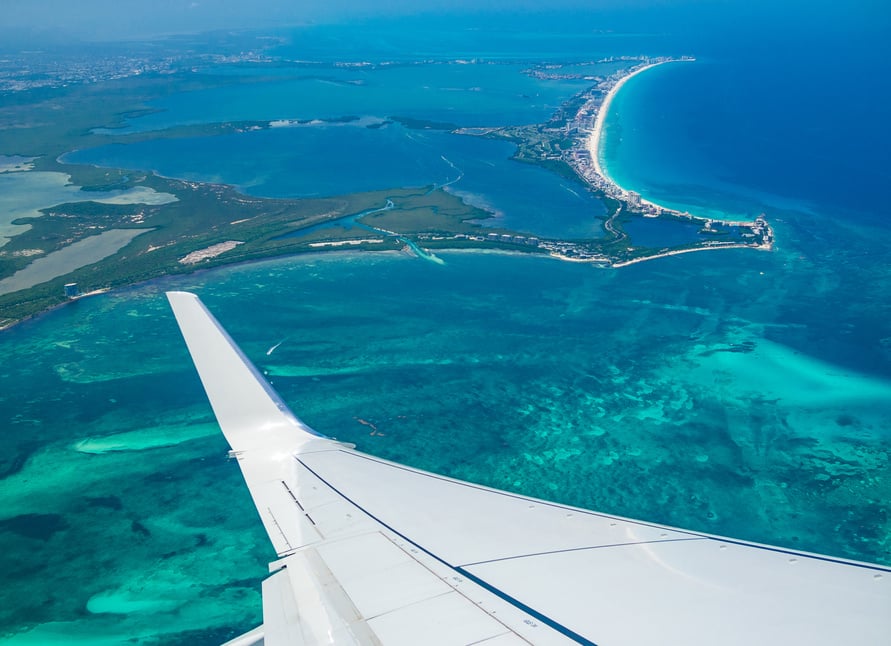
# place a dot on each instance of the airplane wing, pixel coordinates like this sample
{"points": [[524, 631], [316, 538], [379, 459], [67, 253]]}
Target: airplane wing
{"points": [[374, 552]]}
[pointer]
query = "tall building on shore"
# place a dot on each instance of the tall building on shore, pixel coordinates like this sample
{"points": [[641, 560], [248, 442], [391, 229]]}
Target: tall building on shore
{"points": [[71, 290]]}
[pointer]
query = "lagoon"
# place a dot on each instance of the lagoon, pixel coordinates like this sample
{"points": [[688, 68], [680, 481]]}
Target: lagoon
{"points": [[70, 258], [26, 194], [335, 159]]}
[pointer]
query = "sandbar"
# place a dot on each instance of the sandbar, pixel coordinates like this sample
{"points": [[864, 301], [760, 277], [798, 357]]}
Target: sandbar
{"points": [[15, 163]]}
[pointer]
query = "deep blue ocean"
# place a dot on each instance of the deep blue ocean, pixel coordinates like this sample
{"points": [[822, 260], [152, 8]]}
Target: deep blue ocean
{"points": [[738, 392]]}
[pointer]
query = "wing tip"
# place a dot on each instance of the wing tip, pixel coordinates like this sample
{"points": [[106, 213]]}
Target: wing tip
{"points": [[174, 294], [208, 342]]}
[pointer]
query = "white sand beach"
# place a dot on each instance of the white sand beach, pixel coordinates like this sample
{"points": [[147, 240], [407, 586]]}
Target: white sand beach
{"points": [[593, 143]]}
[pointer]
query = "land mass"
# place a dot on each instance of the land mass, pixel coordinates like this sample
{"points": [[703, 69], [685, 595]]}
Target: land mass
{"points": [[569, 144], [178, 226]]}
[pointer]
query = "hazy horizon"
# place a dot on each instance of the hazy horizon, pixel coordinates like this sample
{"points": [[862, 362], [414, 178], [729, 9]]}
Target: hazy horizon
{"points": [[57, 21]]}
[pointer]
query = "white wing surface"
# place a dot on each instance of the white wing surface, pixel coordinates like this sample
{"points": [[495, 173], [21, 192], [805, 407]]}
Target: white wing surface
{"points": [[373, 552]]}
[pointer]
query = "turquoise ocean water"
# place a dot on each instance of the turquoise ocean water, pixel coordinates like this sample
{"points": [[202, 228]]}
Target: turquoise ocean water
{"points": [[736, 392]]}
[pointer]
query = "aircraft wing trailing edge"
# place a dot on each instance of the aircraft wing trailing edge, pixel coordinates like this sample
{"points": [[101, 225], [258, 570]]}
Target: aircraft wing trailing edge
{"points": [[374, 552]]}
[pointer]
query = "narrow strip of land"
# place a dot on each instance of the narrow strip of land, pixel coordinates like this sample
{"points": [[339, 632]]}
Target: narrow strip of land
{"points": [[186, 225], [593, 142]]}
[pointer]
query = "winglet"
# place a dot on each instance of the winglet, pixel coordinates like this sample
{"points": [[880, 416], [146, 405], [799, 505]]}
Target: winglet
{"points": [[250, 413]]}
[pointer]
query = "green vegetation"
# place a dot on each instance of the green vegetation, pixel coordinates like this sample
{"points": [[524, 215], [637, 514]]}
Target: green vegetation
{"points": [[44, 124], [210, 225], [206, 215], [434, 212], [48, 123]]}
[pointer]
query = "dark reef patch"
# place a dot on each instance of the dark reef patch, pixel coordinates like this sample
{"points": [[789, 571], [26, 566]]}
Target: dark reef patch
{"points": [[39, 526]]}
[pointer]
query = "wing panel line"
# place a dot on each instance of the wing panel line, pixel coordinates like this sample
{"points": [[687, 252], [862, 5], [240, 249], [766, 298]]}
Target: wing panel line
{"points": [[507, 494], [552, 623], [694, 535], [584, 549], [807, 555]]}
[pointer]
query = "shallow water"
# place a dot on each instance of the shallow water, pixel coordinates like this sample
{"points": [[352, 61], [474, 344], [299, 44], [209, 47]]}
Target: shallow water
{"points": [[463, 94], [516, 372], [735, 392], [74, 256], [23, 195]]}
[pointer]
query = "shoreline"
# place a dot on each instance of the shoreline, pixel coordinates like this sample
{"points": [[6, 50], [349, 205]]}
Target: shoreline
{"points": [[585, 131], [8, 324], [308, 255], [594, 141], [585, 160], [677, 252]]}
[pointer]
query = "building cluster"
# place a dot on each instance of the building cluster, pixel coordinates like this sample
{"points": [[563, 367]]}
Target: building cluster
{"points": [[512, 239], [29, 70], [503, 238], [564, 249], [762, 231], [555, 71], [574, 251]]}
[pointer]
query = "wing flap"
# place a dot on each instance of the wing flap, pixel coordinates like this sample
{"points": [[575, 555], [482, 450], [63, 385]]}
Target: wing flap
{"points": [[288, 526], [592, 575], [365, 589]]}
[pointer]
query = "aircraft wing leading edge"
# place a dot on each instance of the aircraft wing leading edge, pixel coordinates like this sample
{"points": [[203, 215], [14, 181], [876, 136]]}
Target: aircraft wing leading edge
{"points": [[373, 552]]}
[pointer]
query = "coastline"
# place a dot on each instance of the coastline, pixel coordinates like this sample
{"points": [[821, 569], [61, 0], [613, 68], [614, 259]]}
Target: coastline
{"points": [[569, 143], [585, 160], [594, 141], [9, 324], [678, 252]]}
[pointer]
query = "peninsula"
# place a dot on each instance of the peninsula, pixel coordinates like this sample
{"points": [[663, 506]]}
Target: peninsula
{"points": [[590, 167], [570, 144], [129, 226]]}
